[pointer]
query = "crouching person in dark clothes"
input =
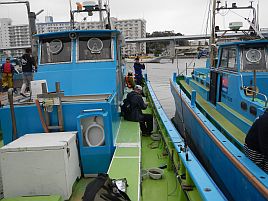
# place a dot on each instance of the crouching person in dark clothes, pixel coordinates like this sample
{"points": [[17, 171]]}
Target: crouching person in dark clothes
{"points": [[137, 105], [256, 142]]}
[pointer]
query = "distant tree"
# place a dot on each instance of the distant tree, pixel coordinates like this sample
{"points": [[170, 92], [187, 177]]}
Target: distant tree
{"points": [[157, 48]]}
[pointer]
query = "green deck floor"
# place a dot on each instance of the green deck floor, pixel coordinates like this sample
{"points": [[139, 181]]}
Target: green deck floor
{"points": [[157, 190], [128, 133], [220, 119], [37, 198], [126, 159]]}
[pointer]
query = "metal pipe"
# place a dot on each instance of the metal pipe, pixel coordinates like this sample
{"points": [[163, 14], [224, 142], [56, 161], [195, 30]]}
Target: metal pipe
{"points": [[93, 110], [258, 93], [100, 14]]}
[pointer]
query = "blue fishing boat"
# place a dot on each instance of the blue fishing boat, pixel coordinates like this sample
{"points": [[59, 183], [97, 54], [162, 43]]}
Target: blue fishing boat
{"points": [[215, 108], [70, 129]]}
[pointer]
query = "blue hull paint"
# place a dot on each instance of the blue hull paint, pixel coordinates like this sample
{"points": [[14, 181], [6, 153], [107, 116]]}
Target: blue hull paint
{"points": [[79, 73], [228, 176], [28, 121]]}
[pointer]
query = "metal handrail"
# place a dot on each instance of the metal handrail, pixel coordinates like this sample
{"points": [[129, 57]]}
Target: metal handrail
{"points": [[92, 110], [258, 93], [254, 91]]}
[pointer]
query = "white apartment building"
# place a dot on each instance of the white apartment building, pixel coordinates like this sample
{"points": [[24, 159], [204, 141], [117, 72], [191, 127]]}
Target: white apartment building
{"points": [[132, 28], [4, 32], [52, 27], [18, 35]]}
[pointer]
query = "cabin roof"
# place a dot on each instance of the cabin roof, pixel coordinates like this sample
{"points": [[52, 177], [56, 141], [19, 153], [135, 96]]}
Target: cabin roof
{"points": [[249, 42], [64, 33]]}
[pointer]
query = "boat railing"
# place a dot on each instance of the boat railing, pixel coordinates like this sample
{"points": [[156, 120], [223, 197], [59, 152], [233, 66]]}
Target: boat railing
{"points": [[255, 92], [187, 67]]}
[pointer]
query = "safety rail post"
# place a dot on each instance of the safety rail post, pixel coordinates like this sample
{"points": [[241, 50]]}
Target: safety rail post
{"points": [[193, 98], [182, 168], [174, 77], [188, 181], [176, 160]]}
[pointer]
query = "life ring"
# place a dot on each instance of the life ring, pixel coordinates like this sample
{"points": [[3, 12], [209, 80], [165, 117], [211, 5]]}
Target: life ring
{"points": [[94, 135]]}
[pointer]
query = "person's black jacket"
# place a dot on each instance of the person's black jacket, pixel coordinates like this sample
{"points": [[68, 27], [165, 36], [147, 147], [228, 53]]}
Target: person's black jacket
{"points": [[137, 105], [27, 62], [257, 137]]}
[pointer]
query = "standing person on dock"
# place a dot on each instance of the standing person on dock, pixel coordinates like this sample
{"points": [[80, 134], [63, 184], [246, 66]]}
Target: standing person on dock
{"points": [[256, 142], [137, 105], [7, 70], [138, 67], [28, 67]]}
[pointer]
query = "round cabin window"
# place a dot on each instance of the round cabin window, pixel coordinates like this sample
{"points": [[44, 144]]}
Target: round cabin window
{"points": [[253, 55], [95, 45], [55, 46]]}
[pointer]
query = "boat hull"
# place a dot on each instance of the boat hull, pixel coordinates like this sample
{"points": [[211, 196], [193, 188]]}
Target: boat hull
{"points": [[226, 164]]}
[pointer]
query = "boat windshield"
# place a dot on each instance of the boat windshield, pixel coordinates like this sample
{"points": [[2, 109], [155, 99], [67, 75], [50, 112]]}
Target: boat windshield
{"points": [[55, 50], [228, 59], [94, 48], [254, 58]]}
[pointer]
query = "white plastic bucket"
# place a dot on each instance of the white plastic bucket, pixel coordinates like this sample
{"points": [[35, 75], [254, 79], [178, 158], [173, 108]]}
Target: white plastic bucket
{"points": [[155, 173]]}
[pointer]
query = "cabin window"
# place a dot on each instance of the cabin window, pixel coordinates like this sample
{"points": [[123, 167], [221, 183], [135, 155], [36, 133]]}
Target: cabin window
{"points": [[55, 50], [94, 48], [228, 58], [254, 58]]}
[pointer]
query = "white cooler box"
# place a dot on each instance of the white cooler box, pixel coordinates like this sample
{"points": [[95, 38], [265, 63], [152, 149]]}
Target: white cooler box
{"points": [[40, 164]]}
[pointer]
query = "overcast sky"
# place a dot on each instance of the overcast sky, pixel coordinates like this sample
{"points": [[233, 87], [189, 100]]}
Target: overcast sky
{"points": [[186, 17]]}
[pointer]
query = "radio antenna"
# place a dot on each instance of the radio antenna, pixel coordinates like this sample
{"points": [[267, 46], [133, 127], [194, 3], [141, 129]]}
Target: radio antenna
{"points": [[71, 15]]}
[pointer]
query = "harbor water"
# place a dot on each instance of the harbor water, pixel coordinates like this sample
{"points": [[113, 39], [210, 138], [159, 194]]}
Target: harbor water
{"points": [[159, 75]]}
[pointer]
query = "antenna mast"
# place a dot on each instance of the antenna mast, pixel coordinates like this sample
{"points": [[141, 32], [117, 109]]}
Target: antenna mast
{"points": [[212, 37], [101, 16], [71, 15]]}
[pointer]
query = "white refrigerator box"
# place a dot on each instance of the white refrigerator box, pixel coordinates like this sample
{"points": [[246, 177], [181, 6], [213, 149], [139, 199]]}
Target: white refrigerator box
{"points": [[40, 164]]}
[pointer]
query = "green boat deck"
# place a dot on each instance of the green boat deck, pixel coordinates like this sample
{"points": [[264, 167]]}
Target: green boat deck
{"points": [[126, 159], [224, 123], [133, 153], [36, 198]]}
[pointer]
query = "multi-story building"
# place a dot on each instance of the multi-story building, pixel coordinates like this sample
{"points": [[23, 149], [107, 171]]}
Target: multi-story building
{"points": [[133, 28], [18, 35], [4, 32]]}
